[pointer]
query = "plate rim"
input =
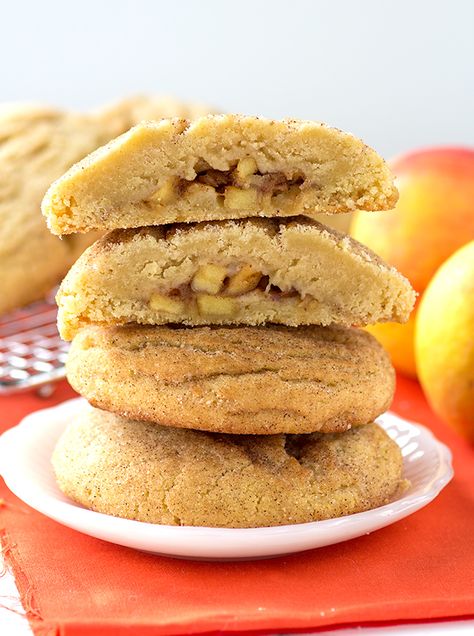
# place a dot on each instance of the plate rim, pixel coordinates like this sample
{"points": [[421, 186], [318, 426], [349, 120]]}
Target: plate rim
{"points": [[79, 514]]}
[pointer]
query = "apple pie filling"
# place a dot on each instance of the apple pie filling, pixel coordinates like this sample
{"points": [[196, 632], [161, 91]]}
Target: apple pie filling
{"points": [[214, 291], [242, 187]]}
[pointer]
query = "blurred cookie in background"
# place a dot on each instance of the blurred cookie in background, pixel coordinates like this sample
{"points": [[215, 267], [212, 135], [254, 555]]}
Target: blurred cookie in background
{"points": [[121, 115], [37, 145]]}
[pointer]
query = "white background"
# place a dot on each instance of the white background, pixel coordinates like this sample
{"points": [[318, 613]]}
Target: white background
{"points": [[399, 73]]}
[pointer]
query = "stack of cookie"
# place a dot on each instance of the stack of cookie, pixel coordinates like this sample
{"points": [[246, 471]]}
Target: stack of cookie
{"points": [[212, 328]]}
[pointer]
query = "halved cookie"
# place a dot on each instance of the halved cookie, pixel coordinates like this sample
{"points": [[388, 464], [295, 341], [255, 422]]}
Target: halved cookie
{"points": [[250, 272], [218, 167], [169, 476], [255, 380]]}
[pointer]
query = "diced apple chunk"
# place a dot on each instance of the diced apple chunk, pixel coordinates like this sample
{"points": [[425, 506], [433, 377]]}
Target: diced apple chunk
{"points": [[167, 193], [201, 190], [216, 306], [209, 278], [284, 199], [246, 167], [166, 304], [237, 198], [243, 281]]}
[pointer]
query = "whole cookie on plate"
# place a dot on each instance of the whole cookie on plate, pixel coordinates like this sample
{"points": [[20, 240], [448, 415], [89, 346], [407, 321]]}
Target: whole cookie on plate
{"points": [[218, 167], [249, 271], [181, 477], [255, 380]]}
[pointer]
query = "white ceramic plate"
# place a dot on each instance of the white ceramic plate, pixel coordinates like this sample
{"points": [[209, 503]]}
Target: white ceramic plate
{"points": [[25, 453]]}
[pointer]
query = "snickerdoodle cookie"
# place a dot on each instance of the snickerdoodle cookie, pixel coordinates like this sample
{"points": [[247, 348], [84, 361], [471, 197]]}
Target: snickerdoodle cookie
{"points": [[255, 380], [171, 476], [249, 271], [218, 167], [37, 144], [122, 114]]}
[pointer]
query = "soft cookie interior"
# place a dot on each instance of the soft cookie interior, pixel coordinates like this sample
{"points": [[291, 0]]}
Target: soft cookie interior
{"points": [[242, 187]]}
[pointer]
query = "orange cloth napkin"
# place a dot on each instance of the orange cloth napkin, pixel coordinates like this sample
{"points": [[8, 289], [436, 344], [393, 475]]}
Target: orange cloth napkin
{"points": [[420, 568]]}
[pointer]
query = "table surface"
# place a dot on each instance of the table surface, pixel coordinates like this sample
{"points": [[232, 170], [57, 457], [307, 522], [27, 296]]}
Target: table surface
{"points": [[13, 621]]}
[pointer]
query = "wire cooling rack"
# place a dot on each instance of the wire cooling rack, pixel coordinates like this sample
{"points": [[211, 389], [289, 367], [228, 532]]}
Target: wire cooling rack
{"points": [[32, 355]]}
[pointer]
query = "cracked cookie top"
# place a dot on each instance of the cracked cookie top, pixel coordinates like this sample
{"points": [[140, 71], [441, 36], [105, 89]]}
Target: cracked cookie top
{"points": [[254, 380], [170, 476]]}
